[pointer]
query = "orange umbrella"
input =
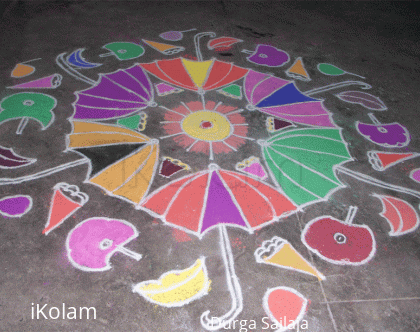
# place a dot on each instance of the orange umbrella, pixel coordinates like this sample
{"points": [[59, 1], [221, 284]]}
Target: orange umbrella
{"points": [[122, 161]]}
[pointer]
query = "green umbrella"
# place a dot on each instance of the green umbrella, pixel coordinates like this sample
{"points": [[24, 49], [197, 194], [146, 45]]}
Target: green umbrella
{"points": [[304, 163]]}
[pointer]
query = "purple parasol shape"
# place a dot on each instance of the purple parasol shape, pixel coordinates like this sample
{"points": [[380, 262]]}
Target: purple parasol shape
{"points": [[281, 98], [118, 94]]}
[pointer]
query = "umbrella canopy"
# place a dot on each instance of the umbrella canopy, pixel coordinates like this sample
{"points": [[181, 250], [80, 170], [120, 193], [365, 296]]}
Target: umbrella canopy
{"points": [[118, 94], [195, 75], [303, 162], [122, 161], [281, 98], [199, 202]]}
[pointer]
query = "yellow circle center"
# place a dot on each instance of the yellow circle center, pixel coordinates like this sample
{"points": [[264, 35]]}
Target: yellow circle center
{"points": [[206, 126]]}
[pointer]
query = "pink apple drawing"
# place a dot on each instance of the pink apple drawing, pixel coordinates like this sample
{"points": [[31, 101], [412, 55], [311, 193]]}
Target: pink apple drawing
{"points": [[91, 244], [340, 242]]}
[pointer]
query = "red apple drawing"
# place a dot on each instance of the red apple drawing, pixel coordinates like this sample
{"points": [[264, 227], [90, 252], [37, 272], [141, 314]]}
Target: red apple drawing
{"points": [[340, 242]]}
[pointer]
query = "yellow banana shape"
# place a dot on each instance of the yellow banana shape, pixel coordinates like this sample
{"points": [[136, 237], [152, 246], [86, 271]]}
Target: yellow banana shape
{"points": [[178, 287]]}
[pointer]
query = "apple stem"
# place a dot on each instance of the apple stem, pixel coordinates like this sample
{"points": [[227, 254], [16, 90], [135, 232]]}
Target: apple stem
{"points": [[22, 125], [31, 60], [106, 54], [188, 30], [355, 75], [130, 253], [351, 214], [247, 52], [374, 119]]}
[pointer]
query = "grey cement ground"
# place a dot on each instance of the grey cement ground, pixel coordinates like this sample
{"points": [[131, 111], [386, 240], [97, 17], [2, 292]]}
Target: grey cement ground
{"points": [[376, 40]]}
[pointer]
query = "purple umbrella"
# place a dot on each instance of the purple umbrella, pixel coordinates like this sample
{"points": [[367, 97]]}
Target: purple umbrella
{"points": [[118, 94]]}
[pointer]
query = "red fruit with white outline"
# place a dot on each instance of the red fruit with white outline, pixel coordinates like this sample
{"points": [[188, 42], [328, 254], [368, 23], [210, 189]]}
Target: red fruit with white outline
{"points": [[340, 242]]}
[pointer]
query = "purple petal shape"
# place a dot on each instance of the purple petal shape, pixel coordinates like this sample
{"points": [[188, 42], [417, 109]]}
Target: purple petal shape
{"points": [[364, 99], [15, 206]]}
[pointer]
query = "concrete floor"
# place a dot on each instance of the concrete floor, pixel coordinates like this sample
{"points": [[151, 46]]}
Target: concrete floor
{"points": [[378, 292]]}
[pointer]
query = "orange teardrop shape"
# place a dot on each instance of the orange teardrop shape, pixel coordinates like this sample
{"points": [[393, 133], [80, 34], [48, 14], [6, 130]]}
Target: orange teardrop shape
{"points": [[22, 70]]}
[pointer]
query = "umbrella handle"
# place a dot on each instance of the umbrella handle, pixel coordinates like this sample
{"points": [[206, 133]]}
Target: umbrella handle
{"points": [[49, 171], [367, 179], [216, 323], [336, 86], [62, 63], [197, 43]]}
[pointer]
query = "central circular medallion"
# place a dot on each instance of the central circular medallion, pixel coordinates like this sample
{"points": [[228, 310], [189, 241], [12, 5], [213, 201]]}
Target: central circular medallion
{"points": [[207, 126]]}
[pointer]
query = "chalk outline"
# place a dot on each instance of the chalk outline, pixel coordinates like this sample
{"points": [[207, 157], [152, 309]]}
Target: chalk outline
{"points": [[386, 145], [28, 161], [148, 103], [79, 58], [162, 94], [240, 166], [23, 117], [71, 70], [266, 143], [177, 162], [214, 168], [341, 262], [297, 75], [377, 164], [200, 90], [412, 173], [55, 83], [379, 101], [267, 65], [221, 91], [397, 232], [252, 105], [178, 39], [118, 248], [154, 143], [278, 243], [122, 42], [20, 214], [230, 42], [271, 316], [233, 284], [203, 291], [270, 126], [76, 193], [24, 63], [170, 51], [214, 110], [344, 72]]}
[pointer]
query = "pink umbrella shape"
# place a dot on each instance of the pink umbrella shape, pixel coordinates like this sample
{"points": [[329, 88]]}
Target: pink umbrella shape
{"points": [[217, 198], [281, 98]]}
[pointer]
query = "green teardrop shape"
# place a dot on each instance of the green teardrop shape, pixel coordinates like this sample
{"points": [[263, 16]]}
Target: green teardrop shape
{"points": [[329, 69]]}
